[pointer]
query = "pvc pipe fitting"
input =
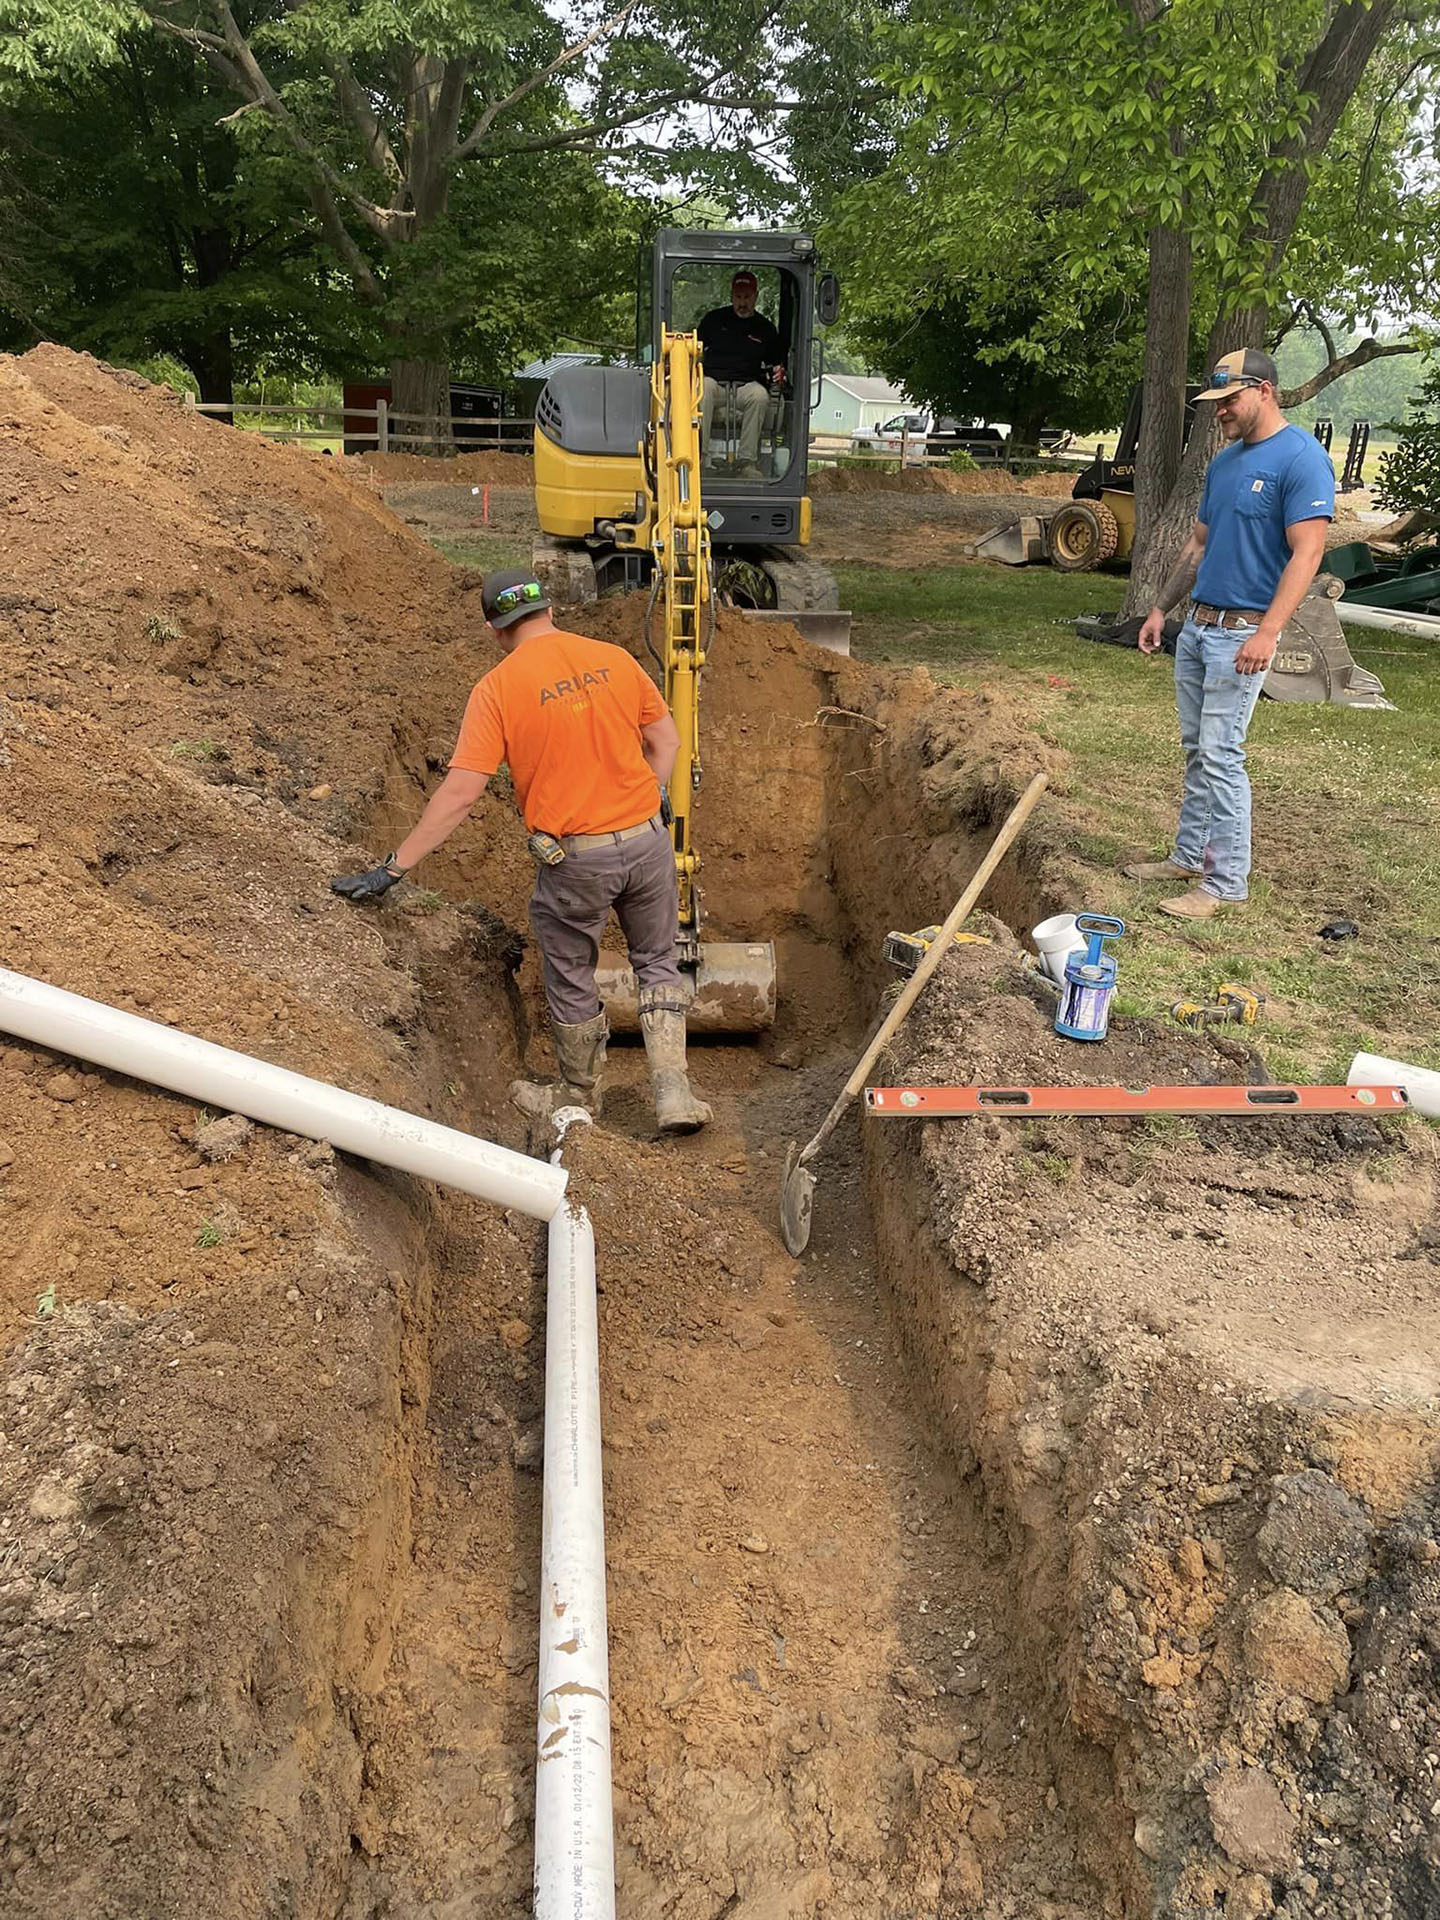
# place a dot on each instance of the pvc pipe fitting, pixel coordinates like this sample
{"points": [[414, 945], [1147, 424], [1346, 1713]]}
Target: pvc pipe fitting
{"points": [[1055, 940], [1421, 1083]]}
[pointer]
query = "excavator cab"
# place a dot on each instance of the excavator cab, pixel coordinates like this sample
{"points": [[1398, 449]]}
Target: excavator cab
{"points": [[593, 495], [688, 284]]}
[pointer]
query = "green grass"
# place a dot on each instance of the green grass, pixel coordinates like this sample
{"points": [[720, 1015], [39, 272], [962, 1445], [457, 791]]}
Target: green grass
{"points": [[1347, 808], [484, 550]]}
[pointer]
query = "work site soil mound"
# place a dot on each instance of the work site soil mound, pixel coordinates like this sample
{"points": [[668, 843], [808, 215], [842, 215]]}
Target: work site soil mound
{"points": [[1096, 1575], [987, 480]]}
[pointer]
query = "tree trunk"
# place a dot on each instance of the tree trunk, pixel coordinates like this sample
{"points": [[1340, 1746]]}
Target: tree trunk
{"points": [[1171, 527], [211, 358], [1026, 420], [1332, 73], [421, 385], [1162, 411]]}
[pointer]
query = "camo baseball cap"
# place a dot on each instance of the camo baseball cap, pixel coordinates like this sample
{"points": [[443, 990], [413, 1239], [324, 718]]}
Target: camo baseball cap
{"points": [[1247, 368]]}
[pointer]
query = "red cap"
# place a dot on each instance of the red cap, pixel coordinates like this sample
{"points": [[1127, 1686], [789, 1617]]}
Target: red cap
{"points": [[744, 278]]}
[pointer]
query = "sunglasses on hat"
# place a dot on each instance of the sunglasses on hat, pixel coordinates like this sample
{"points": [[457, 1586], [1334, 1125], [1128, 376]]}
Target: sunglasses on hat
{"points": [[509, 598]]}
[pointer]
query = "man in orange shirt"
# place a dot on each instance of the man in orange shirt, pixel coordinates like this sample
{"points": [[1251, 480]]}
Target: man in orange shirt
{"points": [[589, 743]]}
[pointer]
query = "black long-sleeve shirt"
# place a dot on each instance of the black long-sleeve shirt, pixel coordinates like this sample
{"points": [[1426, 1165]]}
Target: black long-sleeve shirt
{"points": [[737, 349]]}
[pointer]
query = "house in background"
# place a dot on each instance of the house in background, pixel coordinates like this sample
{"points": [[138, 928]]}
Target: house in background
{"points": [[849, 401]]}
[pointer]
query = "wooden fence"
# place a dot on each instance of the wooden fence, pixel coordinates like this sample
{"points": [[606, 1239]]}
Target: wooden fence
{"points": [[914, 451], [391, 432]]}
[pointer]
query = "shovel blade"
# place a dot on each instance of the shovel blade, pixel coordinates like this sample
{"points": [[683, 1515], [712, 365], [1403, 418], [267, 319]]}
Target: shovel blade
{"points": [[797, 1203]]}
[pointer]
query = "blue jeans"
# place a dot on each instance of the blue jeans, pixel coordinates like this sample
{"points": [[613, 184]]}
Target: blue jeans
{"points": [[1215, 704]]}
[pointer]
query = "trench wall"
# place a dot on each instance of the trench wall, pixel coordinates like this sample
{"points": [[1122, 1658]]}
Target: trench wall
{"points": [[1227, 1590]]}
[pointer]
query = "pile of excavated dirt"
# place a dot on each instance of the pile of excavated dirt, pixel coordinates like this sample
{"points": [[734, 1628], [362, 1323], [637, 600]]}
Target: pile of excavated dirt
{"points": [[1058, 485], [987, 480], [1094, 1575]]}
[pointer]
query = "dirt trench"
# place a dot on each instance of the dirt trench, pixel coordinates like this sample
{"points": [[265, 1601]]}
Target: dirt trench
{"points": [[1058, 1539], [976, 1564], [821, 1696]]}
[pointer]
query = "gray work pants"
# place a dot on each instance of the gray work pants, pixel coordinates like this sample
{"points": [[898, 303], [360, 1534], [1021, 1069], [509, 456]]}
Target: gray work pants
{"points": [[568, 910]]}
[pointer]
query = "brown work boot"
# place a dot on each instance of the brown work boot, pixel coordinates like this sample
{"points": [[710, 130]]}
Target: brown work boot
{"points": [[662, 1021], [580, 1054], [1194, 905], [1159, 870]]}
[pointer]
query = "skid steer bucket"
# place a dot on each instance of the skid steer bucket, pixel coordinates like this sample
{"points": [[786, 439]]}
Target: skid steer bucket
{"points": [[733, 989], [1015, 543]]}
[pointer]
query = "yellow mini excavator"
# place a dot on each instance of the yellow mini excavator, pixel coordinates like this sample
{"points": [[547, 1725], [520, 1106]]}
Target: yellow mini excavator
{"points": [[618, 465], [595, 489]]}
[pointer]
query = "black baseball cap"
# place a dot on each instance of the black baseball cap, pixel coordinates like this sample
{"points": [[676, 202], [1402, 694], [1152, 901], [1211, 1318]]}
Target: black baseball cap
{"points": [[511, 595], [1247, 368]]}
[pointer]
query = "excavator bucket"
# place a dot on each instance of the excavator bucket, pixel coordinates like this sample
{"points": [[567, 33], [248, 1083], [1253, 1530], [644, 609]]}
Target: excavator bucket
{"points": [[733, 989], [1313, 664], [821, 626]]}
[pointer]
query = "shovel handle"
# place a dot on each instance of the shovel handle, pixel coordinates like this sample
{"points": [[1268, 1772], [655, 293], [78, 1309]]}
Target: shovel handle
{"points": [[939, 947]]}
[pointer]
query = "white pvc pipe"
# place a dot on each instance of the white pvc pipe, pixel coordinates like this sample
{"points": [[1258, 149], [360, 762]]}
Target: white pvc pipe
{"points": [[239, 1083], [1420, 626], [1421, 1083], [574, 1823]]}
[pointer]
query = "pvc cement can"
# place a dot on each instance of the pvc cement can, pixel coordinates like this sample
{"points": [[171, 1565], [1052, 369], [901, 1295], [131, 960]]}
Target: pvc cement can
{"points": [[1084, 1009]]}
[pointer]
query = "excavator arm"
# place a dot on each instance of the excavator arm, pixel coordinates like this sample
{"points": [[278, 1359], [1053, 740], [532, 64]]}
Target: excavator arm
{"points": [[680, 544], [730, 984]]}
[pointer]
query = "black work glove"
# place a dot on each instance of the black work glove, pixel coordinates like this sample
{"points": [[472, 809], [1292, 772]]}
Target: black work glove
{"points": [[373, 885]]}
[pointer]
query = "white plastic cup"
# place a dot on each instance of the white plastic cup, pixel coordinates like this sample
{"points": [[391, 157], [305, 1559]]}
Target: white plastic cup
{"points": [[1055, 940]]}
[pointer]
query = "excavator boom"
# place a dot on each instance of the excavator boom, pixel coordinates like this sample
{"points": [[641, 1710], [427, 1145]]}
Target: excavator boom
{"points": [[732, 983]]}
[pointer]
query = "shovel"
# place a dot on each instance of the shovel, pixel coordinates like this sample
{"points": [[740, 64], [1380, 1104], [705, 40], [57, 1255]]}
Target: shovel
{"points": [[797, 1194]]}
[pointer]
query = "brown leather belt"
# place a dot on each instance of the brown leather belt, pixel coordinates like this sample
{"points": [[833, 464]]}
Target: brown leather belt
{"points": [[571, 841], [1204, 616]]}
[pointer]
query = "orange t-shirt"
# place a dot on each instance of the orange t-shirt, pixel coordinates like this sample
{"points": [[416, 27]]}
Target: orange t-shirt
{"points": [[565, 712]]}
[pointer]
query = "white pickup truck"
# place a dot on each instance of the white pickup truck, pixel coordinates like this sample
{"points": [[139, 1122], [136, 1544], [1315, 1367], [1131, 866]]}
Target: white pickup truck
{"points": [[932, 435], [907, 429]]}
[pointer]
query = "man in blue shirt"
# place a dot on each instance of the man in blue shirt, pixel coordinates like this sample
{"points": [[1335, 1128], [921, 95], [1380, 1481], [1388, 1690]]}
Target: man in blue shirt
{"points": [[1256, 545]]}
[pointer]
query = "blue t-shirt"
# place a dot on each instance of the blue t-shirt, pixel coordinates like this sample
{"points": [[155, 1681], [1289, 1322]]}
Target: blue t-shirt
{"points": [[1252, 494]]}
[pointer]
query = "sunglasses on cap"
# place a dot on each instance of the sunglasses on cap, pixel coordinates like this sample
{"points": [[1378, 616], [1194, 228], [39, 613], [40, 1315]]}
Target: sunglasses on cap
{"points": [[1226, 377], [509, 598]]}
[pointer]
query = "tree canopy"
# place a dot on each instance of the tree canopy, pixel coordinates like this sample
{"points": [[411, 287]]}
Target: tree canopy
{"points": [[457, 162], [1049, 173]]}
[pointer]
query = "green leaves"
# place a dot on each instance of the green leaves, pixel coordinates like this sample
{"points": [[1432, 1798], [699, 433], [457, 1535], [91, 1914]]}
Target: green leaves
{"points": [[60, 36], [1410, 476]]}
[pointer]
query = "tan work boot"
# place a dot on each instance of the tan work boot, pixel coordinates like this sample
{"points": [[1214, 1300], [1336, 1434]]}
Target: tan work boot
{"points": [[1194, 905], [1159, 870], [580, 1053], [662, 1021]]}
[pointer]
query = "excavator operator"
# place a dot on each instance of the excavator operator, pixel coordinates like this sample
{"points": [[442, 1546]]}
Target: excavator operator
{"points": [[744, 354], [590, 745]]}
